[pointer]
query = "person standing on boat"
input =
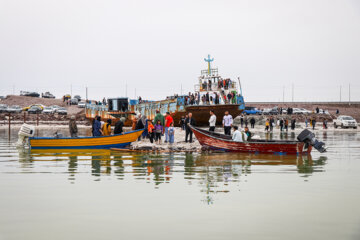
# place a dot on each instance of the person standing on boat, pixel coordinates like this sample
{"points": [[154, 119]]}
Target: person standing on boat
{"points": [[212, 121], [160, 117], [73, 127], [97, 127], [168, 121], [189, 121], [106, 128], [227, 123]]}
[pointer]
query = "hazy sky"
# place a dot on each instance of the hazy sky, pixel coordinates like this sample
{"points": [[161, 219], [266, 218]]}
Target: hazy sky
{"points": [[156, 46]]}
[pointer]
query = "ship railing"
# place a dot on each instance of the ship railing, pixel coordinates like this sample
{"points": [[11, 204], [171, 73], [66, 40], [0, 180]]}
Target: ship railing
{"points": [[214, 87]]}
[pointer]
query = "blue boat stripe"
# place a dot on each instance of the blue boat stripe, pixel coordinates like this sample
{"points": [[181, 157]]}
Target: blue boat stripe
{"points": [[119, 145]]}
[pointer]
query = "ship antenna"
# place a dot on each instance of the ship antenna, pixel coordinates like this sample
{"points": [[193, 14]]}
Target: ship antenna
{"points": [[209, 60], [240, 86]]}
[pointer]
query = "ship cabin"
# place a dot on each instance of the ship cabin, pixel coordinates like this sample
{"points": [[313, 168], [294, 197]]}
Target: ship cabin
{"points": [[210, 82]]}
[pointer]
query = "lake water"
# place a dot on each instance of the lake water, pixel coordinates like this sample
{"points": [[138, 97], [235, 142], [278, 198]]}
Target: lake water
{"points": [[116, 195]]}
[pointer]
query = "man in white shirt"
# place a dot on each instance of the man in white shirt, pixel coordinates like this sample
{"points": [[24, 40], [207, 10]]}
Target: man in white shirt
{"points": [[238, 136], [212, 121], [227, 123]]}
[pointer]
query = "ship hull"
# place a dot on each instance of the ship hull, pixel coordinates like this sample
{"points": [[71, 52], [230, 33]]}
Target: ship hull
{"points": [[201, 113]]}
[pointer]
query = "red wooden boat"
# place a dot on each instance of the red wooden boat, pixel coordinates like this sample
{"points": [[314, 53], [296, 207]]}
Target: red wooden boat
{"points": [[216, 141]]}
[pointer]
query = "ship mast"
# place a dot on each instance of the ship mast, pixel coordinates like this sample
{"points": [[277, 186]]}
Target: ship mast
{"points": [[209, 60]]}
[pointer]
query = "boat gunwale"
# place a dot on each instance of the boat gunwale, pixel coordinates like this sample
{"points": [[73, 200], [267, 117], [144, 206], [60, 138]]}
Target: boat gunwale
{"points": [[85, 137], [248, 142]]}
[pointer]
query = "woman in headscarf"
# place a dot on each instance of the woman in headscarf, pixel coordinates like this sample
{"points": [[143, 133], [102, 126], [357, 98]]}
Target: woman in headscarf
{"points": [[145, 123], [140, 124]]}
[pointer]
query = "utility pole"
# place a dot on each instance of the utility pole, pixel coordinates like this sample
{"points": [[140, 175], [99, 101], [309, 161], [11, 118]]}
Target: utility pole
{"points": [[126, 89], [283, 94], [340, 93]]}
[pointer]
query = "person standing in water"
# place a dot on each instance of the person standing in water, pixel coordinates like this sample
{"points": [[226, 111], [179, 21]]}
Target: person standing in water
{"points": [[73, 127]]}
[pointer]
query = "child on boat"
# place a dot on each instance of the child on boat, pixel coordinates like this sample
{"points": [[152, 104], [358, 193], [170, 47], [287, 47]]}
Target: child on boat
{"points": [[158, 132]]}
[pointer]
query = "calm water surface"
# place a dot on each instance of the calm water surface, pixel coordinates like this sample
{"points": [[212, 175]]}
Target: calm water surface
{"points": [[115, 195]]}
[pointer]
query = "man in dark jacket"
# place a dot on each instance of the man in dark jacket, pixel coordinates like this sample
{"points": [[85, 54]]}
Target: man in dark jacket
{"points": [[252, 122], [189, 121], [119, 127]]}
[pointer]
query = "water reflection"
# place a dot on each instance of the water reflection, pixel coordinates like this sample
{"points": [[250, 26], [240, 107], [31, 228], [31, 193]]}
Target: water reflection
{"points": [[212, 172]]}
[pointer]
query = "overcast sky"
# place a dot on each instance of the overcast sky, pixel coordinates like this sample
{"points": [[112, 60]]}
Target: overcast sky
{"points": [[156, 46]]}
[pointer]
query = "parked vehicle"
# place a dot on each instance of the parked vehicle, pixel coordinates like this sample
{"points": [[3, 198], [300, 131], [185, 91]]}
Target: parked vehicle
{"points": [[297, 111], [29, 94], [81, 104], [47, 95], [62, 111], [38, 105], [3, 108], [78, 97], [34, 110], [55, 108], [74, 101], [48, 110], [251, 110], [14, 109], [345, 122], [305, 111], [270, 111]]}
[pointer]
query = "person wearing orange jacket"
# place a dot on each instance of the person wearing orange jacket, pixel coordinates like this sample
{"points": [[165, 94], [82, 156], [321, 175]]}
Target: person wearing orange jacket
{"points": [[150, 129]]}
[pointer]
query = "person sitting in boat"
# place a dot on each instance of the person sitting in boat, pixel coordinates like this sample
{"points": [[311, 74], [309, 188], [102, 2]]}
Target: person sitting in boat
{"points": [[248, 134], [97, 127], [238, 136], [106, 128]]}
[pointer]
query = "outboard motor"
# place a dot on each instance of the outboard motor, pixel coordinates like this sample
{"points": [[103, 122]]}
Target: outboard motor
{"points": [[309, 137], [24, 133]]}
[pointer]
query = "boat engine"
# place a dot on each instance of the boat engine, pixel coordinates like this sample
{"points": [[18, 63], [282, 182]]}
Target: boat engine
{"points": [[24, 133], [309, 137]]}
